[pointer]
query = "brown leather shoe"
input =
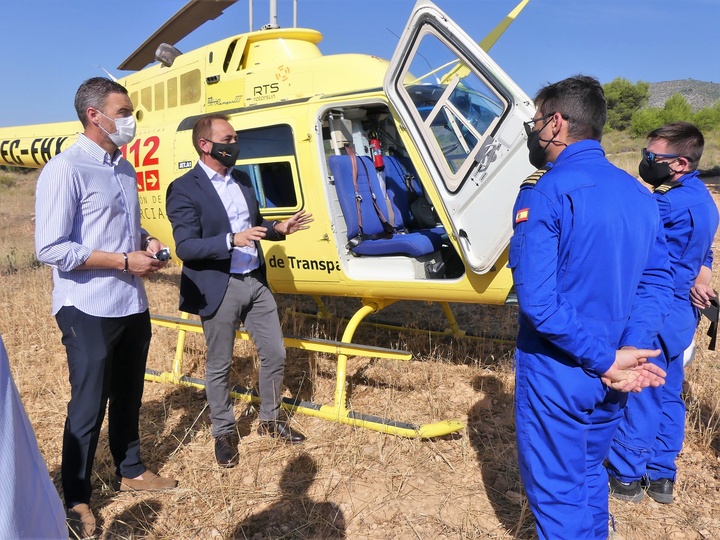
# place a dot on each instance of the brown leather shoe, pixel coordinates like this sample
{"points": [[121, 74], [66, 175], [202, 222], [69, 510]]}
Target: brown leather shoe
{"points": [[81, 521], [149, 482]]}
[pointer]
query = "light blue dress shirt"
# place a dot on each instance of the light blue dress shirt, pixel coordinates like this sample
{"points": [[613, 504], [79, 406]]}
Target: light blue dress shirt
{"points": [[244, 258], [31, 506], [87, 200]]}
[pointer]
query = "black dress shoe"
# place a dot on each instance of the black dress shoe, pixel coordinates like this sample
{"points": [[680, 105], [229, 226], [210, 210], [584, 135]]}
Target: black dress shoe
{"points": [[661, 490], [626, 491], [226, 450], [281, 430]]}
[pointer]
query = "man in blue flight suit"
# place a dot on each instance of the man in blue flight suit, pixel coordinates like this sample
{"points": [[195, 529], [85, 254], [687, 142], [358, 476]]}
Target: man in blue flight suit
{"points": [[593, 282], [653, 428]]}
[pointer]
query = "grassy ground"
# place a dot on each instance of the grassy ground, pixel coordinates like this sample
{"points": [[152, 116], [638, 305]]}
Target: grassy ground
{"points": [[343, 482]]}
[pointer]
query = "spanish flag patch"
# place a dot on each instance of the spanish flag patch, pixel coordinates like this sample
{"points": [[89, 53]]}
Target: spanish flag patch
{"points": [[522, 215]]}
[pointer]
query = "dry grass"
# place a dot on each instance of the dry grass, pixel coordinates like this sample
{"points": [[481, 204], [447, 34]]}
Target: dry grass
{"points": [[343, 482]]}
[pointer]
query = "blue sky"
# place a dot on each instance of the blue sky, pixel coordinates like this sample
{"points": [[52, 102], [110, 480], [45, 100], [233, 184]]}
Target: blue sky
{"points": [[49, 47]]}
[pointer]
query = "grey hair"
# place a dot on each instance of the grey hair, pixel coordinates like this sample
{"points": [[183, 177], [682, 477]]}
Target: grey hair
{"points": [[92, 93]]}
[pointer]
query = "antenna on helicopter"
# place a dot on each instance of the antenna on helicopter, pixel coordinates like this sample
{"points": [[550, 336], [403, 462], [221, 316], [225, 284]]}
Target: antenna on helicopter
{"points": [[110, 75], [273, 17]]}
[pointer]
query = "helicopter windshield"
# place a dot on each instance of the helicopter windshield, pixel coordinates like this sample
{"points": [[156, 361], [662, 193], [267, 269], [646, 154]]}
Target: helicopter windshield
{"points": [[457, 108], [460, 123]]}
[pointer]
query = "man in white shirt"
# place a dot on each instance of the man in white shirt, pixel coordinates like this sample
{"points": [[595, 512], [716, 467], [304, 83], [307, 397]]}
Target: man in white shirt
{"points": [[88, 230]]}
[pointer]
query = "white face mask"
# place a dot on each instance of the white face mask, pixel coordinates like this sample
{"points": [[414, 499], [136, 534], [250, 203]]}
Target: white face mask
{"points": [[124, 129]]}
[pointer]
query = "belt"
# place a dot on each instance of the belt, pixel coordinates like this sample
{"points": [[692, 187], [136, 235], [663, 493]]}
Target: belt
{"points": [[246, 274]]}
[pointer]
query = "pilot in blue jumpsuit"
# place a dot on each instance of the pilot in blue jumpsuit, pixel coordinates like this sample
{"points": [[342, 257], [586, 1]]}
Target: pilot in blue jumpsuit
{"points": [[653, 428], [591, 271]]}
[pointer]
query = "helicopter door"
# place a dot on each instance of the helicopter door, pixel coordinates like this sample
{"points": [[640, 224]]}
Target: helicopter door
{"points": [[466, 118]]}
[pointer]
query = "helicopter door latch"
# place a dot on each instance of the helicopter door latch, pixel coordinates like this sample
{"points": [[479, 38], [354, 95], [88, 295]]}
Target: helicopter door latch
{"points": [[489, 154], [464, 236]]}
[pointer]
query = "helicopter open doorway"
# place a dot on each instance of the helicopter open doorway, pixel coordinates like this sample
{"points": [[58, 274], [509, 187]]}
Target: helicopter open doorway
{"points": [[466, 116]]}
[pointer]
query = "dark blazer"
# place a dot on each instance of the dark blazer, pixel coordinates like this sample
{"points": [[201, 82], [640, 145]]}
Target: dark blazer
{"points": [[200, 229]]}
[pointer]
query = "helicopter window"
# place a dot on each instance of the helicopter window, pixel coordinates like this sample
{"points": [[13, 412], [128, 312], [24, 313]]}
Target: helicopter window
{"points": [[273, 183], [159, 96], [228, 55], [172, 92], [146, 98], [267, 156], [190, 87], [454, 106]]}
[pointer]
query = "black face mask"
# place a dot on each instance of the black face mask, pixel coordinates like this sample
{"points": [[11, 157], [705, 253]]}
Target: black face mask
{"points": [[654, 173], [226, 154], [537, 155]]}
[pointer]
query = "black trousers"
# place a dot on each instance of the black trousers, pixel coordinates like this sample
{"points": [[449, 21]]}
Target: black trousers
{"points": [[106, 358]]}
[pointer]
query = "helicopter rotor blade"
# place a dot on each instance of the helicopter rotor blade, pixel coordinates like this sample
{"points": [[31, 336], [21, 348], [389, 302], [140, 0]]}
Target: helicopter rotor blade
{"points": [[191, 16]]}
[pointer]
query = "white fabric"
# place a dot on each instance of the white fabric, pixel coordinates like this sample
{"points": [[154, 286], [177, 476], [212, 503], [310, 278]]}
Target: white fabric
{"points": [[30, 506], [689, 354]]}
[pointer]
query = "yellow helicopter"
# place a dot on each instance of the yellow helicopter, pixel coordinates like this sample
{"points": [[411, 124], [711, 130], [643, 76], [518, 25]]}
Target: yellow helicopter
{"points": [[410, 167]]}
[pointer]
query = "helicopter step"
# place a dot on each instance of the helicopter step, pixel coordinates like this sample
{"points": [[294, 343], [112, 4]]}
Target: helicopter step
{"points": [[337, 412]]}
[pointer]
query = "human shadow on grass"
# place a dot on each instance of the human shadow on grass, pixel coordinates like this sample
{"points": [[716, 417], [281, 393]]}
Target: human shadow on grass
{"points": [[295, 515], [491, 430], [137, 521]]}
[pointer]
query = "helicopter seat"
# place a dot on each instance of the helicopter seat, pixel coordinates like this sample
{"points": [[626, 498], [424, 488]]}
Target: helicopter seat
{"points": [[402, 188], [368, 230]]}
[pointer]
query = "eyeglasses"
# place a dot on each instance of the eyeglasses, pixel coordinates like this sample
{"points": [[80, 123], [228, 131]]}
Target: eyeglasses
{"points": [[653, 156], [530, 124]]}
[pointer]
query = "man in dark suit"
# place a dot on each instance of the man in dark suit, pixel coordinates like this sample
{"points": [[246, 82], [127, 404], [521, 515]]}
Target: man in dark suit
{"points": [[217, 228]]}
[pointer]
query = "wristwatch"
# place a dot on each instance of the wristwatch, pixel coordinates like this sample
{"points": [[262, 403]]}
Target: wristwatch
{"points": [[232, 240]]}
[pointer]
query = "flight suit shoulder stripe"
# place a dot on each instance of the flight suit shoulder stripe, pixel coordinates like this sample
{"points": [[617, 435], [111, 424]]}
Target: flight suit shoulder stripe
{"points": [[534, 177], [667, 186]]}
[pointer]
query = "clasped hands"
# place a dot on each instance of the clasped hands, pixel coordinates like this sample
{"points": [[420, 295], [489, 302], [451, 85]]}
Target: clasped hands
{"points": [[631, 372]]}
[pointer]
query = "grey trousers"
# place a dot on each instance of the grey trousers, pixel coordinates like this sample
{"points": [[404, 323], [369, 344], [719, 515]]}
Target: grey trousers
{"points": [[249, 300]]}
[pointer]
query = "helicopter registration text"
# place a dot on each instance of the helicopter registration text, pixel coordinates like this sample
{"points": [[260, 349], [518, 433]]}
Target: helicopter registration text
{"points": [[40, 150]]}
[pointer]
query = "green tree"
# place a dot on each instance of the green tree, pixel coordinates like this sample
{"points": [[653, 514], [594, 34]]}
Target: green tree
{"points": [[645, 120], [677, 109], [708, 119], [623, 100]]}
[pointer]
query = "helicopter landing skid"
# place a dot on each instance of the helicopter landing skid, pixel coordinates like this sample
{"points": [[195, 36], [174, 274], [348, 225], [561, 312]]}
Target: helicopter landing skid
{"points": [[336, 412]]}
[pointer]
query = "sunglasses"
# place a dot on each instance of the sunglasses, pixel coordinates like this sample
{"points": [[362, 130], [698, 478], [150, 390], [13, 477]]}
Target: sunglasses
{"points": [[653, 156]]}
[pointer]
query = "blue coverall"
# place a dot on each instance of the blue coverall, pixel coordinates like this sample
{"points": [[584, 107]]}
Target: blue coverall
{"points": [[652, 431], [591, 271]]}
